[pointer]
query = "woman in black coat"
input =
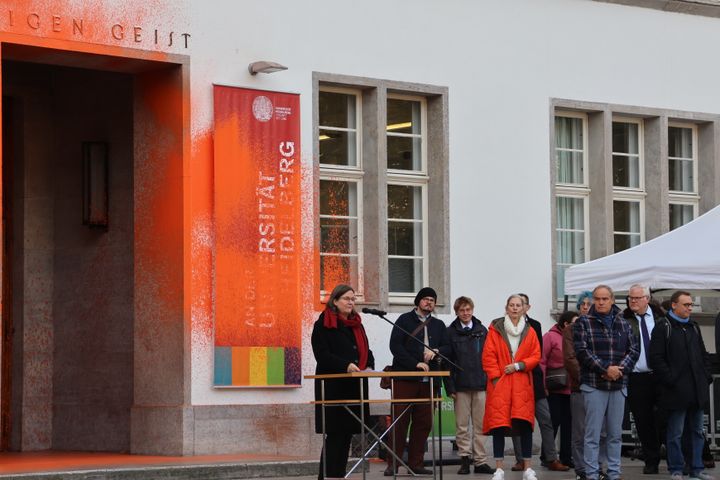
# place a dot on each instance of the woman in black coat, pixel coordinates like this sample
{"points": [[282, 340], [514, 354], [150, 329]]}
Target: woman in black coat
{"points": [[340, 345]]}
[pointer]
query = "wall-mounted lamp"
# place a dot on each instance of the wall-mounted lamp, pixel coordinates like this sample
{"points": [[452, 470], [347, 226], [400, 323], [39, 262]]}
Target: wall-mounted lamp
{"points": [[264, 66], [95, 184]]}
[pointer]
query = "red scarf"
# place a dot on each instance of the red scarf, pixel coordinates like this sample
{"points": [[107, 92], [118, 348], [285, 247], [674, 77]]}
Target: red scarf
{"points": [[354, 322]]}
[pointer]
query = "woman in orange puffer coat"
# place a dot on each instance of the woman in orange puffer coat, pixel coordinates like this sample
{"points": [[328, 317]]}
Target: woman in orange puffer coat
{"points": [[511, 351]]}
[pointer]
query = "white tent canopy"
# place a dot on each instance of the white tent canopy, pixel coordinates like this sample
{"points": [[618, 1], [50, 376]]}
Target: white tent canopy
{"points": [[686, 258]]}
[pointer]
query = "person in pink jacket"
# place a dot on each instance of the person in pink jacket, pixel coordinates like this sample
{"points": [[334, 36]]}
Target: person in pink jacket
{"points": [[559, 397]]}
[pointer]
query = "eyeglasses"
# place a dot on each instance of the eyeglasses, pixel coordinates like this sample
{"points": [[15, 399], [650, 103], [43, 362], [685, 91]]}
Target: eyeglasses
{"points": [[688, 305], [635, 299], [349, 299]]}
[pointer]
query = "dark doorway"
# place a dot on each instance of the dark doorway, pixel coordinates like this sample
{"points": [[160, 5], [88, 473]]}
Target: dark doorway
{"points": [[68, 289]]}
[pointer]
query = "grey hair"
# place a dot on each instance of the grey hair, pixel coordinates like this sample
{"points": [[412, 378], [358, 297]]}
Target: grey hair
{"points": [[515, 295], [645, 290], [612, 294]]}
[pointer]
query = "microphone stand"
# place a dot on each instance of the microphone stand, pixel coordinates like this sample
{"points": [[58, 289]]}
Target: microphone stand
{"points": [[422, 343], [432, 394]]}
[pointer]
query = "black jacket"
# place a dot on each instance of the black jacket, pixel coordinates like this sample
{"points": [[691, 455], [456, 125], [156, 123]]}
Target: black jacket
{"points": [[538, 376], [681, 364], [407, 353], [633, 321], [466, 350], [334, 350]]}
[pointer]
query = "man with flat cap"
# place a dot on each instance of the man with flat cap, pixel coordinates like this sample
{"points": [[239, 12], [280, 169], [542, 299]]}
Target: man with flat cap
{"points": [[409, 355]]}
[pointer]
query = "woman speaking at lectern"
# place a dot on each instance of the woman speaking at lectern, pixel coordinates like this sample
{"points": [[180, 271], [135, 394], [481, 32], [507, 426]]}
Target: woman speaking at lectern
{"points": [[340, 345]]}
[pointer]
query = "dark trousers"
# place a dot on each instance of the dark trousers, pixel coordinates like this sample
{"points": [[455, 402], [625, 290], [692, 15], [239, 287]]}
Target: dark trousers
{"points": [[498, 436], [421, 415], [562, 420], [337, 449], [642, 397]]}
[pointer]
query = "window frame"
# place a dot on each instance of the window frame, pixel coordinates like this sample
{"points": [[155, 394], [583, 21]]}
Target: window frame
{"points": [[585, 165], [641, 154], [345, 173], [408, 297], [325, 167], [641, 212], [358, 180], [685, 202], [423, 172], [695, 163], [572, 190], [584, 196], [434, 115]]}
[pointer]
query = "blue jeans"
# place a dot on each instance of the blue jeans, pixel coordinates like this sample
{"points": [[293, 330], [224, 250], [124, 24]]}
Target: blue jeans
{"points": [[675, 424], [603, 408]]}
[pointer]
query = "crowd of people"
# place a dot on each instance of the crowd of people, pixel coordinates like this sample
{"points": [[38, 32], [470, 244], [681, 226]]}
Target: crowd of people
{"points": [[507, 376]]}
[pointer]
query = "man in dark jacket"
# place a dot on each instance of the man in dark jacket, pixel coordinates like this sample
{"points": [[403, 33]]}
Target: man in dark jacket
{"points": [[642, 385], [409, 355], [606, 350], [466, 336], [682, 365], [548, 450]]}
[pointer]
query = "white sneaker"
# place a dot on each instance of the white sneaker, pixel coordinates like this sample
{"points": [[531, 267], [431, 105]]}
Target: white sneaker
{"points": [[499, 474], [701, 476], [529, 474]]}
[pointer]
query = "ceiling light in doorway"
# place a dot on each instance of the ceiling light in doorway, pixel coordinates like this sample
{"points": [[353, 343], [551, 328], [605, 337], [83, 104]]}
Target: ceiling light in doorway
{"points": [[264, 66]]}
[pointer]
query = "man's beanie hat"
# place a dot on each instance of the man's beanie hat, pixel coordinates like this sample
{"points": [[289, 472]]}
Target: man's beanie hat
{"points": [[425, 292]]}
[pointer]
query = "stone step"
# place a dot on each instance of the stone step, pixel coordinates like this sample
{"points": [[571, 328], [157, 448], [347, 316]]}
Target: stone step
{"points": [[219, 471]]}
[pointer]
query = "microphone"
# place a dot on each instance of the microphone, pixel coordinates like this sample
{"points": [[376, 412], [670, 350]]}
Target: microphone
{"points": [[373, 311]]}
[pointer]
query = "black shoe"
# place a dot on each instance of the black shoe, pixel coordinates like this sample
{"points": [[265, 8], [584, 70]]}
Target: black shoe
{"points": [[483, 468], [651, 469], [580, 476], [602, 475], [389, 471], [464, 466]]}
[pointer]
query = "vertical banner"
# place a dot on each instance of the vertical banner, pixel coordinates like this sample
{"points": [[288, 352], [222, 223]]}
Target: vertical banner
{"points": [[258, 316]]}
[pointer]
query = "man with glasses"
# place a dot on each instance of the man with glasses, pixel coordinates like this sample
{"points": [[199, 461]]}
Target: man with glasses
{"points": [[642, 387], [606, 350], [409, 355], [682, 367]]}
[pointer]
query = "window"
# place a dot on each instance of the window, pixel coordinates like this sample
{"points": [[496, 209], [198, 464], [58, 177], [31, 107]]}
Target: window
{"points": [[571, 237], [376, 186], [407, 204], [682, 155], [682, 176], [627, 182], [627, 224], [570, 148], [626, 158], [571, 193], [608, 163], [682, 213], [340, 189]]}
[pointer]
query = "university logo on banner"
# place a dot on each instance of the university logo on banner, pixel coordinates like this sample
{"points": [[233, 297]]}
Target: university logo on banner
{"points": [[257, 216]]}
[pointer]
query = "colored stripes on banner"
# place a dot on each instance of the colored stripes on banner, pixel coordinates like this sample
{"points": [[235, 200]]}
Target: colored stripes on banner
{"points": [[258, 317], [256, 366]]}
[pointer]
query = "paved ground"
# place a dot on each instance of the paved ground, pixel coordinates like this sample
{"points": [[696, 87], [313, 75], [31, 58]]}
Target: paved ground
{"points": [[632, 470]]}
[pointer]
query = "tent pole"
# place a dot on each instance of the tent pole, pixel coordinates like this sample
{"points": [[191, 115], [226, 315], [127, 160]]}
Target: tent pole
{"points": [[565, 304]]}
